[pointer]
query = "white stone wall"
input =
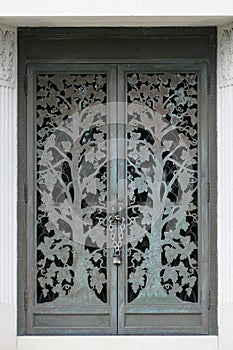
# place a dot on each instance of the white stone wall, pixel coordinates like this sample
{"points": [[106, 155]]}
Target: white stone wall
{"points": [[8, 202], [159, 8], [115, 13]]}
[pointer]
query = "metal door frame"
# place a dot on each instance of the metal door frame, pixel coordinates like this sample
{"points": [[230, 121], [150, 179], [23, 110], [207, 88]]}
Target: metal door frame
{"points": [[33, 39]]}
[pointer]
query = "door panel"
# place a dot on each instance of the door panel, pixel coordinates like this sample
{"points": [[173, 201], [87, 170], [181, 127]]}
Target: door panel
{"points": [[129, 146], [166, 141], [75, 286]]}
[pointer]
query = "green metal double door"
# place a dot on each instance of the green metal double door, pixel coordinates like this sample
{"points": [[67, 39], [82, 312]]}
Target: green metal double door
{"points": [[117, 187]]}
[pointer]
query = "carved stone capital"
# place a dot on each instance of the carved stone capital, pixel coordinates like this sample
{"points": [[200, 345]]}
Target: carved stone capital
{"points": [[7, 56], [225, 55]]}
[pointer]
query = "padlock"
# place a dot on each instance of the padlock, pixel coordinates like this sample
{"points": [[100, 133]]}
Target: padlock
{"points": [[116, 259]]}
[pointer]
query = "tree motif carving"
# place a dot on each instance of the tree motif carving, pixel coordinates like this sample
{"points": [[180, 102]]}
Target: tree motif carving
{"points": [[162, 187], [71, 188], [162, 177]]}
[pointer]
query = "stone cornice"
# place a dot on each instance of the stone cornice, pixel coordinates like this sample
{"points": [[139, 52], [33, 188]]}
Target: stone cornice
{"points": [[225, 55], [7, 56]]}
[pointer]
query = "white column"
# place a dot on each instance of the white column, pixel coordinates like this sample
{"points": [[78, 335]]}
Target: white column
{"points": [[8, 187], [225, 185]]}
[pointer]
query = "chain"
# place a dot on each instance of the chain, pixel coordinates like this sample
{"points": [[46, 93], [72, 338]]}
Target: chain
{"points": [[117, 244]]}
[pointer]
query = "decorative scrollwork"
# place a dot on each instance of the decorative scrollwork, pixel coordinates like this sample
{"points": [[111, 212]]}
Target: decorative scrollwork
{"points": [[71, 188], [226, 55], [7, 57], [162, 187]]}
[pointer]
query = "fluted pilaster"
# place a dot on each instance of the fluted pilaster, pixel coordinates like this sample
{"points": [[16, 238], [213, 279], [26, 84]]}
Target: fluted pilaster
{"points": [[8, 170], [225, 162]]}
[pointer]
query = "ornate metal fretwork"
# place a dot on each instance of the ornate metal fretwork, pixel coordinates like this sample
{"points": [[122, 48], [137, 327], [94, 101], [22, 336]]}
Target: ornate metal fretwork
{"points": [[162, 177], [71, 188], [162, 187]]}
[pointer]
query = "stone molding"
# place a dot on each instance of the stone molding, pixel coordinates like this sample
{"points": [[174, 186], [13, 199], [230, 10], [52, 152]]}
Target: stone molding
{"points": [[225, 55], [8, 51]]}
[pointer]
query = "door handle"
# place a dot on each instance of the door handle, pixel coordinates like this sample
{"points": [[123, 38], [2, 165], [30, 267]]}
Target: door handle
{"points": [[117, 240]]}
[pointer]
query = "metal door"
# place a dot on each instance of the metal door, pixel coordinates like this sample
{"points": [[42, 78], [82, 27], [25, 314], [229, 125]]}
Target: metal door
{"points": [[117, 198], [163, 283]]}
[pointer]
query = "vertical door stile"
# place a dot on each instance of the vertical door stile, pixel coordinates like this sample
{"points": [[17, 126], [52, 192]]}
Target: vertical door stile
{"points": [[122, 190], [112, 189], [203, 199], [31, 205]]}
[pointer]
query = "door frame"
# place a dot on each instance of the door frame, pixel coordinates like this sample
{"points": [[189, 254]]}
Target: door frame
{"points": [[34, 46]]}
